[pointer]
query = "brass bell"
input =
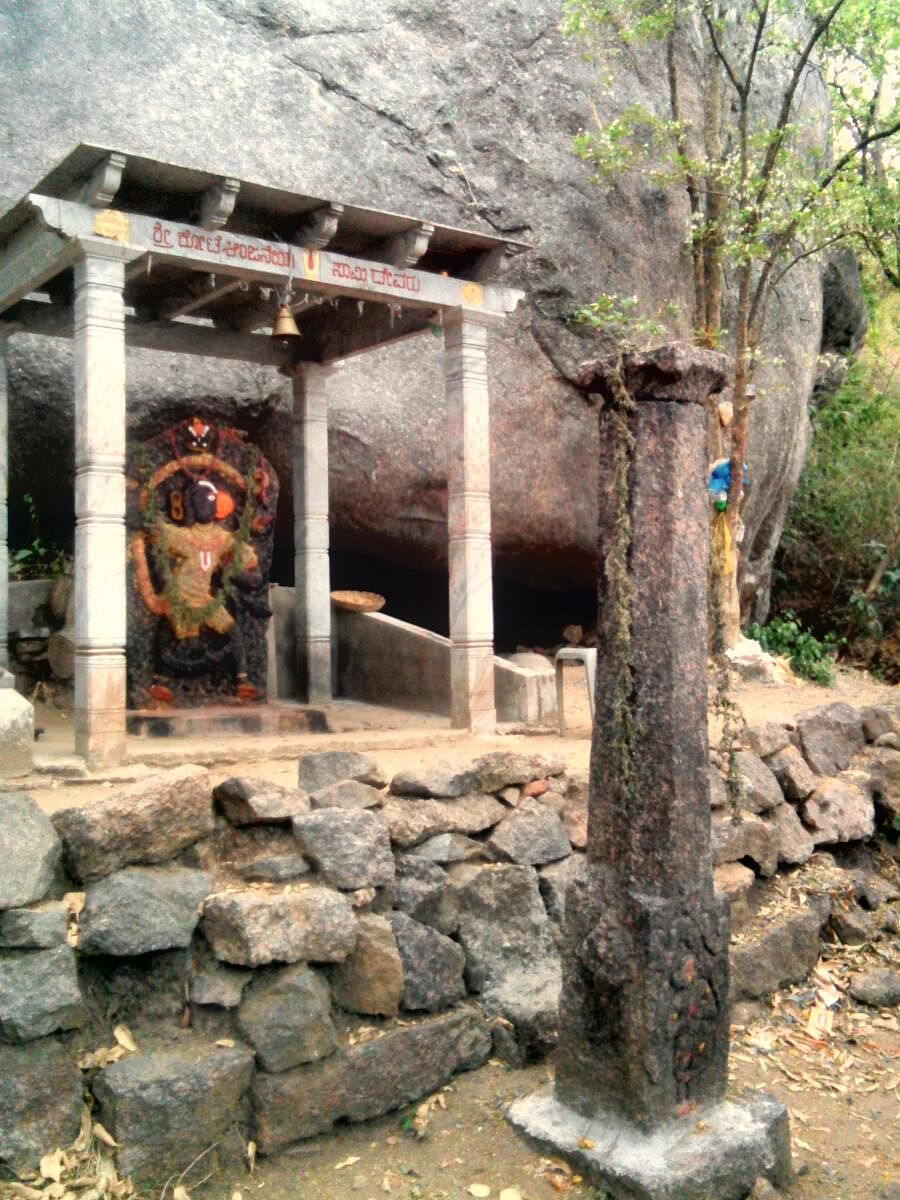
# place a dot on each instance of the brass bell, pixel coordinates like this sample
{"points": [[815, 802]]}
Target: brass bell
{"points": [[284, 325]]}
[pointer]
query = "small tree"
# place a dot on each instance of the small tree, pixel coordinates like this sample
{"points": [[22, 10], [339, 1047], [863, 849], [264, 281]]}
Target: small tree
{"points": [[762, 194]]}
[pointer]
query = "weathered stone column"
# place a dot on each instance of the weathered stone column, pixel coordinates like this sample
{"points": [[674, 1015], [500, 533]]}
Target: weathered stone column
{"points": [[469, 523], [4, 521], [644, 1018], [100, 621], [312, 587]]}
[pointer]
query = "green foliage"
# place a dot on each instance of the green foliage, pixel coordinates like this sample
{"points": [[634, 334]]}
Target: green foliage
{"points": [[808, 656], [39, 559], [620, 318]]}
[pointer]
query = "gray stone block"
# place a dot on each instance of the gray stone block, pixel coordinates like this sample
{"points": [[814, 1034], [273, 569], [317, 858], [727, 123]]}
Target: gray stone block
{"points": [[350, 847], [422, 890], [328, 767], [432, 965], [830, 736], [370, 980], [39, 993], [779, 950], [285, 1015], [142, 909], [40, 1101], [16, 734], [349, 793], [29, 851], [410, 822], [35, 928], [531, 835], [305, 924], [248, 801]]}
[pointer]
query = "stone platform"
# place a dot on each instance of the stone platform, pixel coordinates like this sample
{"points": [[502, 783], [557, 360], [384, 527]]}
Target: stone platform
{"points": [[714, 1153], [219, 719]]}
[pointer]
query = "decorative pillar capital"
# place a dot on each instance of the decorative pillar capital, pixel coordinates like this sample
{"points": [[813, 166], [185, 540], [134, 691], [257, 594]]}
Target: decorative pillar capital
{"points": [[684, 374]]}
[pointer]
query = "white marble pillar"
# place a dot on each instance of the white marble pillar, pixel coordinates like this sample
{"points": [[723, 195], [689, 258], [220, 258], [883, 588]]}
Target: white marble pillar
{"points": [[100, 598], [469, 523], [4, 527], [312, 574]]}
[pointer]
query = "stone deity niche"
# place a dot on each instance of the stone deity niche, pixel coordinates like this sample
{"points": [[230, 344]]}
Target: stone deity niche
{"points": [[201, 511]]}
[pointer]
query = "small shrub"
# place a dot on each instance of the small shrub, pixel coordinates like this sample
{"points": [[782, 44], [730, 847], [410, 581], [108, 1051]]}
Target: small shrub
{"points": [[809, 657]]}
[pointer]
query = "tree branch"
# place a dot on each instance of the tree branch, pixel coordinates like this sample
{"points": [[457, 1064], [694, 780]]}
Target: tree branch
{"points": [[719, 51]]}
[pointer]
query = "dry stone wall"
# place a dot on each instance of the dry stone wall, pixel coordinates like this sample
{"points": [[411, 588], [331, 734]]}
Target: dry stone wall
{"points": [[289, 957]]}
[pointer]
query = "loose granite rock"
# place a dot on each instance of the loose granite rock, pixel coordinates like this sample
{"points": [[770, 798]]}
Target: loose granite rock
{"points": [[736, 882], [531, 835], [529, 1000], [879, 988], [792, 773], [366, 1080], [449, 848], [767, 738], [328, 767], [285, 1015], [830, 736], [248, 801], [16, 734], [370, 980], [256, 926], [166, 1106], [29, 851], [761, 790], [219, 985], [144, 822], [876, 720], [35, 928], [349, 793], [795, 846], [504, 768], [884, 774], [141, 909], [749, 837], [274, 868], [441, 780], [839, 811], [422, 890], [767, 956], [554, 881], [350, 847], [851, 924], [39, 993], [40, 1101], [718, 796], [412, 821], [572, 811], [432, 965]]}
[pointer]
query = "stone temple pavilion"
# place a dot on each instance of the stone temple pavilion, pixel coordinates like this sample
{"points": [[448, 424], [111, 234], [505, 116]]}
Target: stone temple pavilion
{"points": [[118, 250]]}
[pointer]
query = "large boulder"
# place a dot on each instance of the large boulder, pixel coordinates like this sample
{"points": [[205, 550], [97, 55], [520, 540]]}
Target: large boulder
{"points": [[470, 127], [29, 851], [257, 926], [144, 822], [830, 736], [142, 909], [40, 1099], [166, 1106]]}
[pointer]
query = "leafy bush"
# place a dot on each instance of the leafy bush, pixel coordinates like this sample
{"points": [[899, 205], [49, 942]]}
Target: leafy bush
{"points": [[808, 656], [39, 559]]}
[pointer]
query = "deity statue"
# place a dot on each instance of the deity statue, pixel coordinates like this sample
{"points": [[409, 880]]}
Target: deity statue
{"points": [[200, 548]]}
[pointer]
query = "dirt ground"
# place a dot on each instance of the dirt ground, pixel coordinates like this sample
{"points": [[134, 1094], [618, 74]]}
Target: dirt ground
{"points": [[842, 1093]]}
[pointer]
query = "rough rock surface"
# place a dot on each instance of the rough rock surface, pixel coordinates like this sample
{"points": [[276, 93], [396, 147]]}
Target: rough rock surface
{"points": [[39, 993], [350, 847], [29, 851], [142, 909], [830, 736], [791, 771], [411, 821], [219, 985], [449, 848], [366, 1080], [254, 927], [884, 773], [432, 965], [504, 768], [531, 835], [422, 890], [470, 127], [795, 845], [876, 720], [349, 793], [554, 880], [761, 791], [274, 868], [736, 881], [328, 767], [839, 810], [439, 780], [750, 837], [34, 928], [370, 980], [144, 822], [285, 1015], [247, 801], [879, 987], [783, 950], [40, 1099], [16, 734], [166, 1106], [767, 738]]}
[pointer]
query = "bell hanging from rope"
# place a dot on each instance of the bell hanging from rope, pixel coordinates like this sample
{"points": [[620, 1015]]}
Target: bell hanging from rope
{"points": [[284, 325]]}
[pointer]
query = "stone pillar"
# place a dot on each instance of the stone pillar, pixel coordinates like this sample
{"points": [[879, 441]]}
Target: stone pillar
{"points": [[4, 525], [312, 576], [644, 1019], [100, 596], [469, 523]]}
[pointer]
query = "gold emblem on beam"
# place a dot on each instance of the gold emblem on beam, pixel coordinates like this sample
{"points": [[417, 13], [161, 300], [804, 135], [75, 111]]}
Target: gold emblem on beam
{"points": [[472, 294], [113, 225]]}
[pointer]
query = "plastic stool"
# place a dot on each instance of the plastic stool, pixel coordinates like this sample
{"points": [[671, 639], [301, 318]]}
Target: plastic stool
{"points": [[582, 654]]}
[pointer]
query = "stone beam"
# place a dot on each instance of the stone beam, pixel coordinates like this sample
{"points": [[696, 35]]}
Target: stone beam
{"points": [[218, 203], [278, 263], [53, 320], [342, 332], [212, 290], [29, 258]]}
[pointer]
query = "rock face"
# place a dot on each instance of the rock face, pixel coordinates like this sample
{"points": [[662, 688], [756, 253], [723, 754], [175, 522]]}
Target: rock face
{"points": [[839, 810], [531, 835], [432, 965], [40, 1099], [167, 1106], [254, 927], [286, 1017], [829, 737], [350, 847], [785, 951], [39, 993], [29, 851], [366, 1080], [16, 734], [33, 928], [145, 822], [142, 909], [470, 127]]}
